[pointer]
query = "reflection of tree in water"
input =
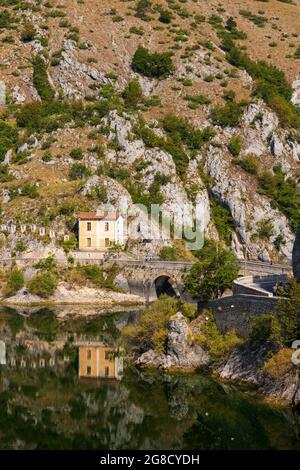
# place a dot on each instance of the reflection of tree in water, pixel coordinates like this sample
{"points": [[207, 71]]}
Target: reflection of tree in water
{"points": [[52, 409]]}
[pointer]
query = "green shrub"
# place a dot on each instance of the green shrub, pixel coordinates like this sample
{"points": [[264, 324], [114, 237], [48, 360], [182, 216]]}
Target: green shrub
{"points": [[4, 173], [180, 129], [100, 277], [288, 313], [28, 33], [135, 30], [21, 246], [258, 20], [165, 16], [223, 221], [47, 157], [284, 193], [47, 264], [98, 192], [30, 190], [79, 171], [6, 19], [234, 146], [210, 338], [142, 9], [265, 229], [8, 138], [40, 79], [179, 133], [156, 65], [133, 94], [265, 328], [51, 115], [271, 83], [250, 163], [168, 253], [43, 284], [196, 100], [76, 153], [16, 280], [151, 330], [228, 115]]}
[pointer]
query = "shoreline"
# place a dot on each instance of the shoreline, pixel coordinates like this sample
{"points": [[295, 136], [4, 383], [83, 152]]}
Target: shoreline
{"points": [[54, 303]]}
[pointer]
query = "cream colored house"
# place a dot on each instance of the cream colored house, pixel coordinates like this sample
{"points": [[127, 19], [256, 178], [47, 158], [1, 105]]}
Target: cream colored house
{"points": [[99, 230]]}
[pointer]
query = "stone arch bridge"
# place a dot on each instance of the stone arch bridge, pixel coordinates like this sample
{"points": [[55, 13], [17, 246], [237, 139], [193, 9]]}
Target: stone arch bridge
{"points": [[151, 279]]}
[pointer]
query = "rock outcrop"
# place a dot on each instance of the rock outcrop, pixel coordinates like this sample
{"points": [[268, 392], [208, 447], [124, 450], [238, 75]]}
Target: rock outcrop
{"points": [[245, 366], [181, 353]]}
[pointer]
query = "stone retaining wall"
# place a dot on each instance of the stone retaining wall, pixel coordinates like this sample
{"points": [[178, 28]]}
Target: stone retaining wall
{"points": [[235, 312]]}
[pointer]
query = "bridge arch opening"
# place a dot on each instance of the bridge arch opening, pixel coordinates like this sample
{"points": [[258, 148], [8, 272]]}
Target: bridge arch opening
{"points": [[163, 285]]}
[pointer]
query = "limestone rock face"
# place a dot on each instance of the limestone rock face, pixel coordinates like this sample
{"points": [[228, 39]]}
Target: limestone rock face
{"points": [[296, 94], [244, 365], [247, 208], [180, 353], [72, 76], [158, 162]]}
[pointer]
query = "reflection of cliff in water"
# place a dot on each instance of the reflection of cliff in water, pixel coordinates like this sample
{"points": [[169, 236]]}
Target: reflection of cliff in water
{"points": [[50, 407]]}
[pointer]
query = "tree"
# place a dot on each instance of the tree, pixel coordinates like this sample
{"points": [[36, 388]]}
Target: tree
{"points": [[289, 313], [213, 273], [152, 65]]}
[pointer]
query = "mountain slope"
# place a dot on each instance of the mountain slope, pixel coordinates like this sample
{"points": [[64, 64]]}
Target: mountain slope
{"points": [[199, 121]]}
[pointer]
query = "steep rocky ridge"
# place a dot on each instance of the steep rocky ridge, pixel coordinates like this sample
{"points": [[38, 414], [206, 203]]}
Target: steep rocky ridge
{"points": [[100, 56]]}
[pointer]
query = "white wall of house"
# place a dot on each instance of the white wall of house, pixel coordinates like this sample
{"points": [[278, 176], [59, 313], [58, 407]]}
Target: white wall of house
{"points": [[119, 235]]}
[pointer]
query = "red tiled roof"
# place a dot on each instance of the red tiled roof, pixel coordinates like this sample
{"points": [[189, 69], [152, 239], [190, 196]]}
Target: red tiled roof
{"points": [[105, 215]]}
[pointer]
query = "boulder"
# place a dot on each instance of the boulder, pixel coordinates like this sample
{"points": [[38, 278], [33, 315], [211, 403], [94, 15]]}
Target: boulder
{"points": [[181, 353]]}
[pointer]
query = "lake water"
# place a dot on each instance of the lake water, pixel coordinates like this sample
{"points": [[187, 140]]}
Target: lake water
{"points": [[45, 405]]}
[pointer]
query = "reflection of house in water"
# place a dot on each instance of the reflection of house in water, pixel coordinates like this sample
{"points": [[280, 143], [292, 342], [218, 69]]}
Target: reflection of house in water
{"points": [[30, 354], [99, 361]]}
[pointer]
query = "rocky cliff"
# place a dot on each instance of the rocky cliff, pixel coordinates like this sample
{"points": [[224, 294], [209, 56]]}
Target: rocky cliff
{"points": [[266, 370], [74, 60]]}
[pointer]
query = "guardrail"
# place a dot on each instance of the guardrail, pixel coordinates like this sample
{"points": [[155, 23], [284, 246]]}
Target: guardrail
{"points": [[246, 265]]}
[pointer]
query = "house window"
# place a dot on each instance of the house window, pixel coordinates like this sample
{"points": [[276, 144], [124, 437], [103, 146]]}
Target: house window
{"points": [[106, 371], [88, 370], [89, 354], [107, 355], [106, 242], [89, 242], [89, 226], [106, 226]]}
